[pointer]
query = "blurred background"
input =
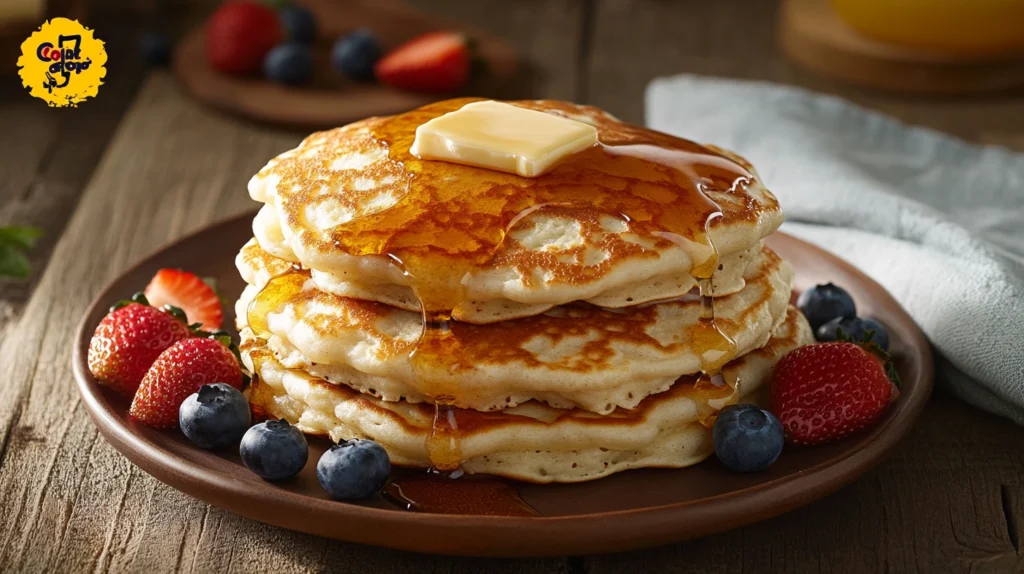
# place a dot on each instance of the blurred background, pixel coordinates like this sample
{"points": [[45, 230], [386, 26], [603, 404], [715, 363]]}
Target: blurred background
{"points": [[605, 51], [953, 65]]}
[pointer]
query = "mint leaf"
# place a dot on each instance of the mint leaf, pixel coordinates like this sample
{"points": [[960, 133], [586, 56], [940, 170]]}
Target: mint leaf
{"points": [[14, 240], [19, 236], [13, 263]]}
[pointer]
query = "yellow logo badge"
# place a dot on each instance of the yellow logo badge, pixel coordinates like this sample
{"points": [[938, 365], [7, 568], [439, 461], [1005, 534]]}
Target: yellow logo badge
{"points": [[62, 63]]}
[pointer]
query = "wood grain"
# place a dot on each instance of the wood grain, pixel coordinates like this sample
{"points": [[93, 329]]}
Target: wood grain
{"points": [[950, 499], [70, 502], [935, 506], [48, 157], [74, 501]]}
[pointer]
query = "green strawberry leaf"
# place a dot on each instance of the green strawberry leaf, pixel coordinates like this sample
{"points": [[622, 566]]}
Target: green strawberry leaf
{"points": [[139, 298], [893, 374], [886, 359], [477, 67], [869, 345]]}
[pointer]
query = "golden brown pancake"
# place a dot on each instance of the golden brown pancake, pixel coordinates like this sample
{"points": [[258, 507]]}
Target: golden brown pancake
{"points": [[570, 356], [532, 441], [631, 218]]}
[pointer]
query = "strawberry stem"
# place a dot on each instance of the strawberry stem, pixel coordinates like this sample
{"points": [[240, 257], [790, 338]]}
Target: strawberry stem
{"points": [[136, 298], [176, 312]]}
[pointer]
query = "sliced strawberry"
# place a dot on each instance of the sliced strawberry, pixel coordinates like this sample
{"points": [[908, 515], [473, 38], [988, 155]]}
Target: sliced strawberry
{"points": [[127, 342], [189, 293], [434, 62], [177, 373]]}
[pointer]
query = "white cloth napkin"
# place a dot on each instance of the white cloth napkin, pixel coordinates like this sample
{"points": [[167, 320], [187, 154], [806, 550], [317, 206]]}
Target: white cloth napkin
{"points": [[939, 222]]}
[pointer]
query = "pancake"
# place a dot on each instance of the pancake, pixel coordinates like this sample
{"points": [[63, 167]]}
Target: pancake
{"points": [[532, 441], [571, 356], [631, 220], [727, 279]]}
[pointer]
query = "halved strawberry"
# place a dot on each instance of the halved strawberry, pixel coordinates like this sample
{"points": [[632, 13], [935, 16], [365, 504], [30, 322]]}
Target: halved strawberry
{"points": [[177, 373], [189, 293], [434, 62]]}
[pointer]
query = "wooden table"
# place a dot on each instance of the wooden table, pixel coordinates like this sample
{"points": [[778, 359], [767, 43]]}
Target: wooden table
{"points": [[141, 165]]}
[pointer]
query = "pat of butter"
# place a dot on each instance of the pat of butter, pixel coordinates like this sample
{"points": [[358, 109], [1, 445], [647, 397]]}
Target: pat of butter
{"points": [[502, 137]]}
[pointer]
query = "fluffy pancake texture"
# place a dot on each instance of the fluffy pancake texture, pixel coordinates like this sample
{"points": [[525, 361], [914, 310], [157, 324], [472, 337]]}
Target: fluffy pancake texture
{"points": [[532, 441], [570, 356], [557, 328], [347, 183], [728, 279]]}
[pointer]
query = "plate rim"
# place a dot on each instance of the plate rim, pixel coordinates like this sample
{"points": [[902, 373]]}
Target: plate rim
{"points": [[648, 526]]}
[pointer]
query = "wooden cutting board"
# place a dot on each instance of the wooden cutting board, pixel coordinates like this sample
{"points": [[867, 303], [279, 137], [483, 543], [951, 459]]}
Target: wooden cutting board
{"points": [[812, 34], [330, 100]]}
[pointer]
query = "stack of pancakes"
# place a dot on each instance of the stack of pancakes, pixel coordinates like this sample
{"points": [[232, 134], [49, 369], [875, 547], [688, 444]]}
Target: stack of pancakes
{"points": [[551, 329]]}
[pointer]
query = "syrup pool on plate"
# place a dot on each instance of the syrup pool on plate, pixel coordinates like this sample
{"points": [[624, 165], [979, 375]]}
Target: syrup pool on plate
{"points": [[478, 495]]}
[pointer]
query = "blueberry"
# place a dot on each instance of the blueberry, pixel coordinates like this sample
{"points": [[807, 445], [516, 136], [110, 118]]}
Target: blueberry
{"points": [[881, 335], [274, 450], [290, 64], [855, 329], [215, 417], [156, 49], [354, 469], [747, 438], [298, 23], [822, 303], [354, 55]]}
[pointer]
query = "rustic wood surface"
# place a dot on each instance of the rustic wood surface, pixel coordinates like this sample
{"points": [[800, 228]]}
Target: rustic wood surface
{"points": [[141, 165]]}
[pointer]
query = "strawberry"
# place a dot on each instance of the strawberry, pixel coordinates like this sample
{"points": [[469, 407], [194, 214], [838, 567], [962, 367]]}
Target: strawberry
{"points": [[434, 62], [177, 373], [828, 391], [189, 293], [239, 35], [128, 340]]}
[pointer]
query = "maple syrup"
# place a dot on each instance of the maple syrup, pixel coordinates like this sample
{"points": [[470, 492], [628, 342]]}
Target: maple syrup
{"points": [[476, 495], [277, 291], [452, 219]]}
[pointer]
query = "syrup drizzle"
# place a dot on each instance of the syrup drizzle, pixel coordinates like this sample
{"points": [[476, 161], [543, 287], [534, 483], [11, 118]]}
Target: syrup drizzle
{"points": [[452, 219]]}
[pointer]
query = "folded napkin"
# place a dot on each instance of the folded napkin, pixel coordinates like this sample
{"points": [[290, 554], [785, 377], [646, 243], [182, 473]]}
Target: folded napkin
{"points": [[939, 222]]}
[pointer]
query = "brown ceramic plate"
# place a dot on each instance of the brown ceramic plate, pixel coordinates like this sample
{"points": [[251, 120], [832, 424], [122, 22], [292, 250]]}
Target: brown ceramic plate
{"points": [[628, 510]]}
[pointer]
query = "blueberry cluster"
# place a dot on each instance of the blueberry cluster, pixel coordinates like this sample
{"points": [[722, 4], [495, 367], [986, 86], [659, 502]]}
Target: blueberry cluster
{"points": [[291, 62], [218, 416], [830, 310]]}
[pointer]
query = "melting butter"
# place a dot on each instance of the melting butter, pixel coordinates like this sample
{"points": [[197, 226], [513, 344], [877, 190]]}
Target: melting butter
{"points": [[502, 137]]}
